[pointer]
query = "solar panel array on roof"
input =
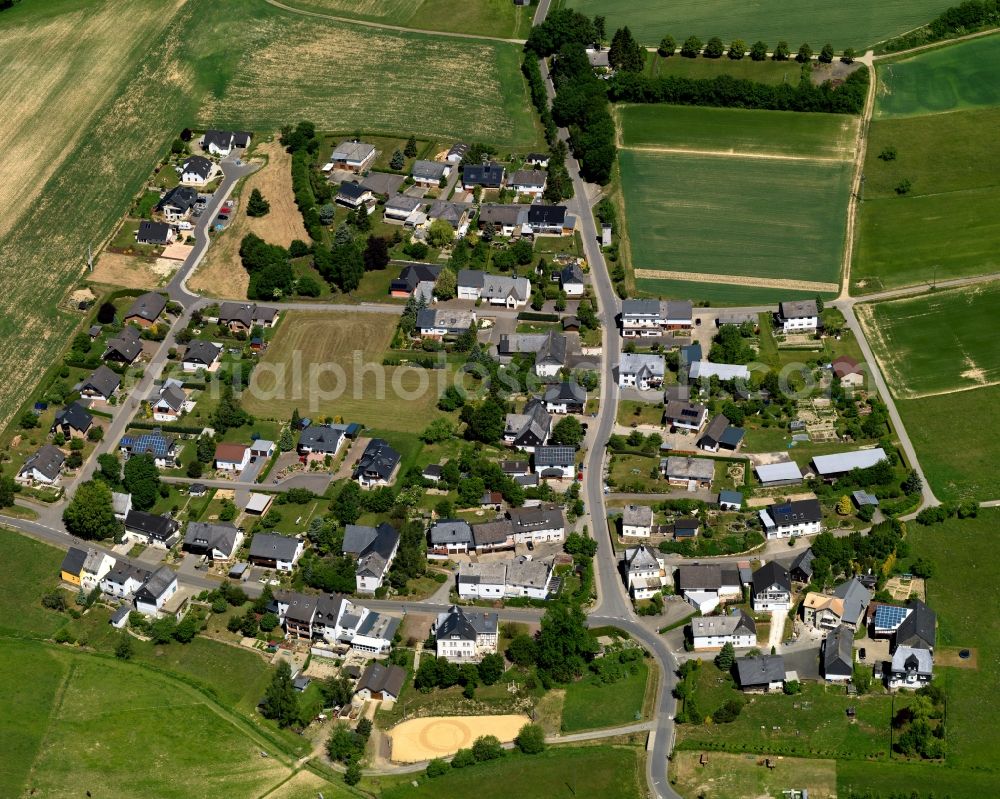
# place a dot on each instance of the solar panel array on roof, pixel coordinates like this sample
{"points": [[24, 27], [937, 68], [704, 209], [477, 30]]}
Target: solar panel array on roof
{"points": [[152, 443], [889, 617]]}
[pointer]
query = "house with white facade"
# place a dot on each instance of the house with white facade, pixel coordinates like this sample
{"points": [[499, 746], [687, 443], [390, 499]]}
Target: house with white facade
{"points": [[645, 571], [230, 457], [798, 517], [43, 467], [565, 397], [122, 581], [482, 580], [641, 371], [201, 355], [156, 591], [500, 290], [374, 549], [272, 551], [538, 524], [714, 632], [218, 541], [465, 636], [771, 588], [555, 462], [799, 316], [642, 318], [528, 181], [706, 585], [911, 667], [637, 521]]}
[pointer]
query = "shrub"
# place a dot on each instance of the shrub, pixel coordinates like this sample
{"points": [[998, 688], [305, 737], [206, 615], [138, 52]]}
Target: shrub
{"points": [[437, 767]]}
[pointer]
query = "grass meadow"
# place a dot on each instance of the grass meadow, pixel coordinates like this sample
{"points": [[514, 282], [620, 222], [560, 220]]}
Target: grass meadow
{"points": [[735, 776], [949, 78], [591, 704], [936, 343], [562, 772], [720, 294], [345, 344], [852, 23], [497, 18], [96, 92], [912, 238], [738, 130], [751, 218], [772, 72]]}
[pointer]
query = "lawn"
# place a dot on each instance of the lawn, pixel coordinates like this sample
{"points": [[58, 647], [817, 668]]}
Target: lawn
{"points": [[487, 17], [936, 780], [936, 343], [771, 72], [110, 716], [328, 364], [733, 776], [852, 23], [591, 772], [912, 238], [961, 75], [591, 704], [27, 570], [635, 412], [738, 130], [749, 219], [958, 460]]}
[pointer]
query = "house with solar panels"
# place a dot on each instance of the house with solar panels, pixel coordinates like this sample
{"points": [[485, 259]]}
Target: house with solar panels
{"points": [[162, 447]]}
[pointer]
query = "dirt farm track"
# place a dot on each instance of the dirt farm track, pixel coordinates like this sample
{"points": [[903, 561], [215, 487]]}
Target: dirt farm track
{"points": [[438, 736]]}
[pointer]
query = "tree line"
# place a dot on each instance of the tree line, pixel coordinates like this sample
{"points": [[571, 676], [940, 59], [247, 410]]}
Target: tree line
{"points": [[967, 17]]}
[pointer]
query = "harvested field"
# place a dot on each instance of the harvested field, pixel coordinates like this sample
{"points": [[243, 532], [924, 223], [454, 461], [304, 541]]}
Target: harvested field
{"points": [[221, 274], [771, 283], [127, 271], [439, 736], [330, 364]]}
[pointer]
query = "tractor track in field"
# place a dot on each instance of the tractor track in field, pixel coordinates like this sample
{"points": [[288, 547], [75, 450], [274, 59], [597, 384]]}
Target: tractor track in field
{"points": [[740, 280], [649, 148]]}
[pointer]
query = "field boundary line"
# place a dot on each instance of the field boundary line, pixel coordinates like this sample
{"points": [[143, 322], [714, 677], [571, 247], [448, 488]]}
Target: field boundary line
{"points": [[853, 201], [744, 280], [931, 45], [389, 27], [57, 703], [652, 148]]}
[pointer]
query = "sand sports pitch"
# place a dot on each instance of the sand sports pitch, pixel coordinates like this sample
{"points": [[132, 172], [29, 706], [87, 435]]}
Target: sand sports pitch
{"points": [[439, 736]]}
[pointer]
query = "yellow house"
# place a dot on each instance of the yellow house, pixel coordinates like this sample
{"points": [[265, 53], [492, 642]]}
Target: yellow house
{"points": [[72, 566]]}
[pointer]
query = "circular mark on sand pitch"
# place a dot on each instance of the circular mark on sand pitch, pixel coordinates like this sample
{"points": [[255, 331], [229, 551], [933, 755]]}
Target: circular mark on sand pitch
{"points": [[965, 654], [446, 735]]}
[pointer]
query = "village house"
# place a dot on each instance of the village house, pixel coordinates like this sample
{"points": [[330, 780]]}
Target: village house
{"points": [[529, 429], [849, 372], [218, 541], [681, 415], [450, 537], [156, 591], [493, 536], [430, 173], [801, 570], [465, 636], [528, 578], [438, 323], [335, 619], [501, 290], [481, 580], [402, 209], [162, 448], [539, 524], [73, 421], [550, 220], [412, 278], [121, 504], [201, 355], [380, 683], [705, 585], [43, 467], [101, 384], [528, 181], [918, 629], [85, 568], [272, 551], [760, 674], [125, 347], [690, 473], [457, 152], [642, 318], [145, 310], [455, 214], [353, 156], [771, 588], [911, 667], [490, 175], [223, 142], [506, 219], [373, 550], [730, 499], [551, 356], [714, 632], [798, 517], [198, 171], [318, 441], [645, 572], [176, 204], [637, 521], [241, 317], [565, 397], [231, 457], [378, 465], [641, 371], [352, 194], [154, 233], [555, 462], [123, 580], [838, 654], [721, 435], [571, 280], [799, 316], [170, 402], [150, 529]]}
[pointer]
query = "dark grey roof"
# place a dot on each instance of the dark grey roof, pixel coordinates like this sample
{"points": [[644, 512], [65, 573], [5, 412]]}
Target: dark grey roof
{"points": [[74, 415], [205, 352], [796, 512], [678, 410], [159, 527], [491, 533], [528, 177], [771, 574], [126, 345], [760, 670], [222, 139], [918, 628], [429, 170], [351, 190], [838, 652], [803, 563], [450, 212], [173, 395], [508, 215], [855, 597], [241, 138], [706, 576], [515, 467], [156, 585], [798, 309], [204, 536], [320, 438], [361, 540], [274, 547], [74, 560], [571, 274], [549, 215], [456, 623], [640, 308], [730, 497], [147, 306], [530, 427], [180, 197], [542, 517], [451, 531], [48, 460], [199, 165], [555, 456], [413, 274], [378, 677], [568, 392], [459, 149], [553, 349], [378, 460], [153, 232], [489, 175], [121, 572]]}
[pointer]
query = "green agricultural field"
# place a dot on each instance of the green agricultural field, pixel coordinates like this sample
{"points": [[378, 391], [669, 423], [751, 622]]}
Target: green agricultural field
{"points": [[936, 343], [591, 772], [948, 78], [852, 23], [109, 716], [591, 704], [331, 365], [750, 218], [930, 779], [912, 238], [720, 294], [133, 73], [497, 18], [27, 569], [738, 130], [772, 72], [957, 459]]}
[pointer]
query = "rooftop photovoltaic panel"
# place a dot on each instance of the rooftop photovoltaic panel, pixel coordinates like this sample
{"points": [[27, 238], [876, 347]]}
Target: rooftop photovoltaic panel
{"points": [[150, 442], [889, 617]]}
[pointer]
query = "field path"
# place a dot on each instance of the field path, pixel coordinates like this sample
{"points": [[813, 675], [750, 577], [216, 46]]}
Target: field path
{"points": [[740, 280], [933, 45], [388, 27], [649, 148]]}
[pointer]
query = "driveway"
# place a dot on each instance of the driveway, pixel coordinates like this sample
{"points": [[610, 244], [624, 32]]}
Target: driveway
{"points": [[777, 632]]}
